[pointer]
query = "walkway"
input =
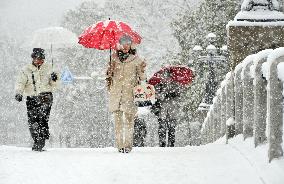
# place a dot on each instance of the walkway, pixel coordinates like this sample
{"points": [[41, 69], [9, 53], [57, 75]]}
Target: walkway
{"points": [[236, 163]]}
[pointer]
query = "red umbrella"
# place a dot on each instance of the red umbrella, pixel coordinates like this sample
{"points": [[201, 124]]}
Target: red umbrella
{"points": [[105, 35], [179, 74]]}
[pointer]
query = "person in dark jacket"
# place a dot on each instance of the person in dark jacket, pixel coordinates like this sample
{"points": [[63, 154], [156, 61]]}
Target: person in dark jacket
{"points": [[37, 81], [166, 109]]}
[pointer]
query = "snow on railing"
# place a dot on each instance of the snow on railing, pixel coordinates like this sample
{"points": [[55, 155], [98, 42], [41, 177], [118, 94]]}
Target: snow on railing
{"points": [[250, 102]]}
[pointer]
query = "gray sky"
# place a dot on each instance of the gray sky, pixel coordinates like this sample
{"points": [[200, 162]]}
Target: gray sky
{"points": [[18, 18]]}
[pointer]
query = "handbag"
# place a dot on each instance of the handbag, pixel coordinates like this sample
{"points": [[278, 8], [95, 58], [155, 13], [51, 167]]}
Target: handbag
{"points": [[144, 94]]}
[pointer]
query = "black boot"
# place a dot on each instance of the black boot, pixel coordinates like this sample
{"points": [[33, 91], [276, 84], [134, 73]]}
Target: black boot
{"points": [[162, 132], [121, 150], [41, 144], [35, 148]]}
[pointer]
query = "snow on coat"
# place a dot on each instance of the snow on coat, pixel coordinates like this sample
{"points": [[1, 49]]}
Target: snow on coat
{"points": [[42, 78], [125, 76]]}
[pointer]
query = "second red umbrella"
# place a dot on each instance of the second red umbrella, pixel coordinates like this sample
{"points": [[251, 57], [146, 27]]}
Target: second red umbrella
{"points": [[181, 75]]}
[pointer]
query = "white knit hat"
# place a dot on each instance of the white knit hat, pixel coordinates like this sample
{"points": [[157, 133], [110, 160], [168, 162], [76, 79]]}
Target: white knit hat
{"points": [[125, 39]]}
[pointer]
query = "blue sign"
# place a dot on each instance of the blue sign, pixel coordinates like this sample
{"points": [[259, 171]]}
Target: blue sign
{"points": [[67, 76]]}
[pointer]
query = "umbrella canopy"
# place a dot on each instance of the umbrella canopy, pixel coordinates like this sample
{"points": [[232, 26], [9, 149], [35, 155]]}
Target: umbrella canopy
{"points": [[105, 35], [55, 37], [181, 75]]}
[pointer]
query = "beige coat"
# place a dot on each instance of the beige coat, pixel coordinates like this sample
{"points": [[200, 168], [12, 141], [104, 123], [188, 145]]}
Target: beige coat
{"points": [[42, 77], [125, 76]]}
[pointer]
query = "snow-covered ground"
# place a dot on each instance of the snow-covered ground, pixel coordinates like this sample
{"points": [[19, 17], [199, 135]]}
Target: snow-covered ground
{"points": [[237, 162]]}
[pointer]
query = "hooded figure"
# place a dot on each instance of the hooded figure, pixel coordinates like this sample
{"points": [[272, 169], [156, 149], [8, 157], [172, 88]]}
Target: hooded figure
{"points": [[126, 70], [37, 81], [167, 109]]}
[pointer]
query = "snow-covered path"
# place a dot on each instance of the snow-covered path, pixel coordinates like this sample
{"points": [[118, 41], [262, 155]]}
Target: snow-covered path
{"points": [[214, 163]]}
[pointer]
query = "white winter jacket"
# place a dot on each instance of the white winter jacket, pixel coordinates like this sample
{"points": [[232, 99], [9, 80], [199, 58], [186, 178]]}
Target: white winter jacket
{"points": [[42, 79]]}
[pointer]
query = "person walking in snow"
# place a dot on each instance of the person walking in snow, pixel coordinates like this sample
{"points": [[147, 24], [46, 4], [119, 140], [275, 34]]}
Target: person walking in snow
{"points": [[126, 70], [167, 110], [36, 81]]}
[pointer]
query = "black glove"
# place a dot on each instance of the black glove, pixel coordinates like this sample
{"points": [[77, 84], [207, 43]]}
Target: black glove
{"points": [[54, 76], [19, 97]]}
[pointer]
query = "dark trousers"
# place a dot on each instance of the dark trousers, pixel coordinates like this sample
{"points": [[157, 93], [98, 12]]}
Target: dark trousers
{"points": [[140, 132], [38, 109], [167, 126]]}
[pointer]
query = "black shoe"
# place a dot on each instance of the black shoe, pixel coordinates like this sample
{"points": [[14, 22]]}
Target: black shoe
{"points": [[35, 146], [121, 150], [162, 144]]}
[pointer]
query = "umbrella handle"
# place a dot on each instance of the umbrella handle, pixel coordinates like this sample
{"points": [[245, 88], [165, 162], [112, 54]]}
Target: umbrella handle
{"points": [[109, 56], [109, 51], [51, 56]]}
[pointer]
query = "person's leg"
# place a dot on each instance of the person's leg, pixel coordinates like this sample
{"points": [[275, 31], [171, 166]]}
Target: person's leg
{"points": [[129, 129], [162, 132], [171, 133], [136, 133], [43, 115], [118, 129], [32, 111]]}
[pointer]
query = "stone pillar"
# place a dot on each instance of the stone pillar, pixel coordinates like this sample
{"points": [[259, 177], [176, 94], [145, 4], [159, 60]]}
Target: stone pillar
{"points": [[253, 30], [206, 131], [238, 100], [274, 111], [195, 133], [217, 117], [246, 40], [230, 129], [219, 113], [248, 98], [210, 125], [260, 102]]}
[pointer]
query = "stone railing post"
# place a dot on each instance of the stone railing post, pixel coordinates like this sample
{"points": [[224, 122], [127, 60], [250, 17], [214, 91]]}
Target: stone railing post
{"points": [[248, 98], [206, 128], [238, 100], [260, 96], [230, 129], [219, 100], [274, 108], [204, 132], [210, 125], [195, 133], [223, 109], [217, 116]]}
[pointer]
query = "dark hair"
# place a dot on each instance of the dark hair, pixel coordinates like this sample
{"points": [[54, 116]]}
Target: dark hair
{"points": [[132, 51], [38, 53]]}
